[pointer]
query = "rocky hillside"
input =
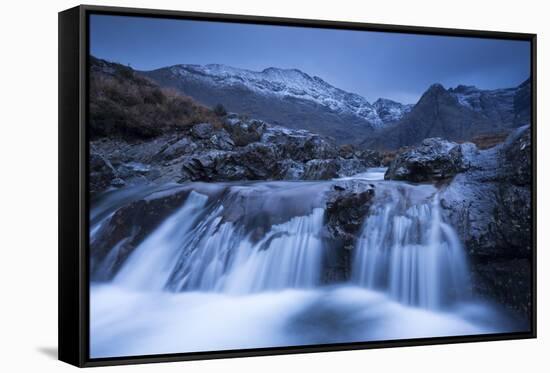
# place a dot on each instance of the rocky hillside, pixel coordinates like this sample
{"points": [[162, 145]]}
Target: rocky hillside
{"points": [[486, 196], [142, 133], [240, 150], [457, 114], [391, 111], [287, 97], [293, 99], [124, 104]]}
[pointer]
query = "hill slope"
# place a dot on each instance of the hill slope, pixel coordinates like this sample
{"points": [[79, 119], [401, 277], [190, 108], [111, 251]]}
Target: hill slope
{"points": [[287, 97], [125, 104], [457, 114]]}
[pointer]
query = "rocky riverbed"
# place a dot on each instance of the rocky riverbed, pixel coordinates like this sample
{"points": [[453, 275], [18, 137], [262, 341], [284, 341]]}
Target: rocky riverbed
{"points": [[486, 196], [241, 149]]}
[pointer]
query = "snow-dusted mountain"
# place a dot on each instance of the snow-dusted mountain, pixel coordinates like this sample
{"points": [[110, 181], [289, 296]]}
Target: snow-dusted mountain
{"points": [[500, 105], [294, 99], [479, 100], [288, 97], [457, 114], [390, 111], [283, 83]]}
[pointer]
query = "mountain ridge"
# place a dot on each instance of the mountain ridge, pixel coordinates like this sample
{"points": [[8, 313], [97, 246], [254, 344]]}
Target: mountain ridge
{"points": [[457, 114], [292, 98], [283, 83]]}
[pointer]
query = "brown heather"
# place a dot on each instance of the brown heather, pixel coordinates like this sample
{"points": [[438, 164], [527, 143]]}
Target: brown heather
{"points": [[126, 105]]}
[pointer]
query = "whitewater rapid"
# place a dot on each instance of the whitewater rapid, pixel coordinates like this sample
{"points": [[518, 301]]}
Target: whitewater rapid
{"points": [[202, 281]]}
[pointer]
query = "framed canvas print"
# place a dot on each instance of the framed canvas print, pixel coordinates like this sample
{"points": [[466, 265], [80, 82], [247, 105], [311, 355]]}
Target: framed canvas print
{"points": [[240, 186]]}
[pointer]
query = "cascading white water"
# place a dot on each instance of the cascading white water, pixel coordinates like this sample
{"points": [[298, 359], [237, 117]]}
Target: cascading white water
{"points": [[151, 263], [192, 250], [406, 250], [241, 266], [289, 256]]}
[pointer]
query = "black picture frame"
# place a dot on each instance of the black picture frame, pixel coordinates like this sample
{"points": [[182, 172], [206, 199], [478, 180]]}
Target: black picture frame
{"points": [[73, 185]]}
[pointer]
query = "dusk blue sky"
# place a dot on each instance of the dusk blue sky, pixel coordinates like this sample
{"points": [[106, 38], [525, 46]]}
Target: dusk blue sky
{"points": [[374, 64]]}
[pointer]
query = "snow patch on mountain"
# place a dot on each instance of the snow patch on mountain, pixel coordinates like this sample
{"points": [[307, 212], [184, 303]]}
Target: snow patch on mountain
{"points": [[390, 111], [293, 83], [476, 99]]}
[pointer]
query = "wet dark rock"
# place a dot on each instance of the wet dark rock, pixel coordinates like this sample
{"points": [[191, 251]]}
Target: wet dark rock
{"points": [[214, 165], [299, 145], [255, 161], [180, 147], [371, 158], [517, 154], [245, 132], [320, 169], [434, 160], [202, 131], [102, 174], [347, 151], [220, 139], [243, 149], [347, 206], [490, 207], [506, 282], [290, 170], [314, 147], [126, 229], [259, 159], [352, 166]]}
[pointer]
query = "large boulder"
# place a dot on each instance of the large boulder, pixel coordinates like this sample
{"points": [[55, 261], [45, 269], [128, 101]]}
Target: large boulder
{"points": [[126, 229], [102, 174], [176, 149], [320, 169], [352, 166], [347, 205], [260, 161], [490, 207], [434, 160], [244, 132], [202, 131], [240, 149], [517, 156], [371, 158], [299, 145], [289, 169], [212, 137], [255, 161], [214, 165]]}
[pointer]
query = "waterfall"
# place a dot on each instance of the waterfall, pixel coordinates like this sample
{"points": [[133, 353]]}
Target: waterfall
{"points": [[242, 266], [194, 249], [289, 256], [151, 263], [406, 250]]}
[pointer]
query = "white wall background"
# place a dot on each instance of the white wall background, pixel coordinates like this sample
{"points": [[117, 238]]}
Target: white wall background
{"points": [[28, 185]]}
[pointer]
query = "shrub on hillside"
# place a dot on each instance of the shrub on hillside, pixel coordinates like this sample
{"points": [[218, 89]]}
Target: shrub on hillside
{"points": [[125, 104]]}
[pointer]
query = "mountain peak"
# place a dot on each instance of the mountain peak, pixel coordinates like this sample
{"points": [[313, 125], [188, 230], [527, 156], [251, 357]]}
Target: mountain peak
{"points": [[436, 87], [384, 101], [390, 111], [281, 83], [461, 88], [525, 83], [278, 69]]}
